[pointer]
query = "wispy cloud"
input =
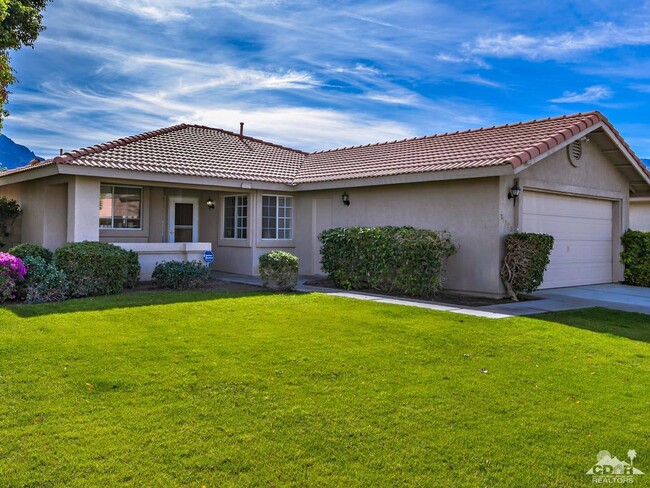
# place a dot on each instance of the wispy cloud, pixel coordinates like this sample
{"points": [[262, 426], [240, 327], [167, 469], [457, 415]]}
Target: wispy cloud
{"points": [[591, 94], [562, 45]]}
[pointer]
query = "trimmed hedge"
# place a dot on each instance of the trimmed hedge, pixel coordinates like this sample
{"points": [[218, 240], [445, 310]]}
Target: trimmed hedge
{"points": [[391, 259], [279, 270], [527, 256], [636, 257], [180, 274], [28, 249], [93, 268], [132, 269]]}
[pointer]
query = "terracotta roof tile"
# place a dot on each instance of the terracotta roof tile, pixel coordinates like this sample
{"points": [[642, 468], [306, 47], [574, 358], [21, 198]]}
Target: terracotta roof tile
{"points": [[513, 144], [203, 151]]}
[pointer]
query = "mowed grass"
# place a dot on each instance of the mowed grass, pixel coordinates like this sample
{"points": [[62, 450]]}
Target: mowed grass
{"points": [[207, 389]]}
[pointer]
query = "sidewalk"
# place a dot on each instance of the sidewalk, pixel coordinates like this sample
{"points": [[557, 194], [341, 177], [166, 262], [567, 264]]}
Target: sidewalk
{"points": [[544, 304]]}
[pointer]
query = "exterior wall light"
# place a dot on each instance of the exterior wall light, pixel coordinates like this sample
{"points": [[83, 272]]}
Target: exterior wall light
{"points": [[210, 203], [514, 192], [346, 199]]}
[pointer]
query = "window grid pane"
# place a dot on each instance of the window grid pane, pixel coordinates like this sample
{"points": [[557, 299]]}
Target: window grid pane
{"points": [[235, 217], [277, 213], [120, 207]]}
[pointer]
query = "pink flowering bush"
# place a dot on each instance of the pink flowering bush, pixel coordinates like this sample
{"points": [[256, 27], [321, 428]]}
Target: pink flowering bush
{"points": [[12, 270]]}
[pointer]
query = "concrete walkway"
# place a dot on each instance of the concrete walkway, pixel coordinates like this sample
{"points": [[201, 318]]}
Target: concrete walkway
{"points": [[619, 297]]}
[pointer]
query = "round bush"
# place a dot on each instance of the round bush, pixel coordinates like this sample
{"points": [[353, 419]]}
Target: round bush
{"points": [[12, 271], [93, 268], [43, 282], [279, 270], [180, 274], [28, 249]]}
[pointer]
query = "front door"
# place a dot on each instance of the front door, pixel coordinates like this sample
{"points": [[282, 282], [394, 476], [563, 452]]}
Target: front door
{"points": [[183, 220]]}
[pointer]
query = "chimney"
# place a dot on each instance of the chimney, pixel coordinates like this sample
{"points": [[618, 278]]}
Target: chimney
{"points": [[60, 152], [241, 130]]}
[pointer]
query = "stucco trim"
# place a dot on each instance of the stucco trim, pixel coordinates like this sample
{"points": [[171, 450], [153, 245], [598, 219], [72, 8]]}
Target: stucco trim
{"points": [[456, 174], [571, 190]]}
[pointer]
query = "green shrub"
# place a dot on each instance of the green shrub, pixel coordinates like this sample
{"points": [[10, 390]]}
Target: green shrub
{"points": [[31, 250], [93, 268], [43, 282], [180, 274], [636, 257], [279, 270], [132, 270], [389, 259], [527, 256]]}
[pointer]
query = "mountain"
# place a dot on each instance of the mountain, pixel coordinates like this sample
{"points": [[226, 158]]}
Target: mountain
{"points": [[13, 155]]}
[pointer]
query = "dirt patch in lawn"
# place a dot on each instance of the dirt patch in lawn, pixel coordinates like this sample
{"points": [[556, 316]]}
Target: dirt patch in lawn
{"points": [[441, 297]]}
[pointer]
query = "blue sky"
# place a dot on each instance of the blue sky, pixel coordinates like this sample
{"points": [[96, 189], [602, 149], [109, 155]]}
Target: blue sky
{"points": [[317, 75]]}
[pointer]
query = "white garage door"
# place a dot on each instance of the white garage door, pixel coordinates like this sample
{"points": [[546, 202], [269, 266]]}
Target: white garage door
{"points": [[582, 228]]}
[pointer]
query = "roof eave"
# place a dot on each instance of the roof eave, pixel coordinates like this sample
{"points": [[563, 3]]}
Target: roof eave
{"points": [[451, 174]]}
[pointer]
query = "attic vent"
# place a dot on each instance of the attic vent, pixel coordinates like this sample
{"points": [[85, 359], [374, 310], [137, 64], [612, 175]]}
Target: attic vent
{"points": [[574, 151]]}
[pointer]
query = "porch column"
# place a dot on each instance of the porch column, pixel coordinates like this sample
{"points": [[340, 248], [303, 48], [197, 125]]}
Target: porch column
{"points": [[83, 209]]}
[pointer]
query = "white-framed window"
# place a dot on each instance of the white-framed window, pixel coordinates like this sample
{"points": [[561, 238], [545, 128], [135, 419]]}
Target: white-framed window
{"points": [[120, 207], [235, 217], [277, 217]]}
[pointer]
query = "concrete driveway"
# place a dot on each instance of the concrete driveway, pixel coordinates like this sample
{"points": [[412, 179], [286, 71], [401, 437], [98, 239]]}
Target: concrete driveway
{"points": [[614, 296]]}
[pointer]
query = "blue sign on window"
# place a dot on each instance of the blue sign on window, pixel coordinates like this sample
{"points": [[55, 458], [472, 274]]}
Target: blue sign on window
{"points": [[208, 256]]}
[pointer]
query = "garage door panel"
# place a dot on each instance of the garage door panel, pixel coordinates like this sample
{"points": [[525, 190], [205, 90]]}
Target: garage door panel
{"points": [[580, 252], [574, 228], [550, 204], [582, 229]]}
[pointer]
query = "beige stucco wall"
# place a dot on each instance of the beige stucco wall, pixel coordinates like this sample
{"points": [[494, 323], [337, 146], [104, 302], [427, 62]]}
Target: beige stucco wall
{"points": [[468, 209], [44, 205], [596, 177], [640, 215]]}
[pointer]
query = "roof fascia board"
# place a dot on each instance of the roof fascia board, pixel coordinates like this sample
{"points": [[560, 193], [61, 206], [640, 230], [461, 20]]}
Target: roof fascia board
{"points": [[557, 148], [171, 179], [453, 174], [627, 154], [32, 174]]}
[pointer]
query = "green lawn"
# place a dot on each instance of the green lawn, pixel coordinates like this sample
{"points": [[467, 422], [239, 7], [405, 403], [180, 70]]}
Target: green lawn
{"points": [[200, 388]]}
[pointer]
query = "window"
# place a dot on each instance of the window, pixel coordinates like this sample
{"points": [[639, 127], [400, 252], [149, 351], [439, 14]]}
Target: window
{"points": [[277, 213], [120, 207], [235, 218]]}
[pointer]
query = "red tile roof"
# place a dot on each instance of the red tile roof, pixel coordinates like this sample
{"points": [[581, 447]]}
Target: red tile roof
{"points": [[494, 146], [203, 151], [190, 150]]}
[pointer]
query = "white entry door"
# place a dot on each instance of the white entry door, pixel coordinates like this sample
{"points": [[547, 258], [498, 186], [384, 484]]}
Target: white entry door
{"points": [[582, 228], [183, 219]]}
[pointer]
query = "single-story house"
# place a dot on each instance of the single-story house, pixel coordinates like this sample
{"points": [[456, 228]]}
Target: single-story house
{"points": [[175, 192]]}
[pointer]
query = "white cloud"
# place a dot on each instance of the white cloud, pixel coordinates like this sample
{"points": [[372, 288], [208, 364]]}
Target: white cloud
{"points": [[592, 94], [560, 46], [153, 10]]}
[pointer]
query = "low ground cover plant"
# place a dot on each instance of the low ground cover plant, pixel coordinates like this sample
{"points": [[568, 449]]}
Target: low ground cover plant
{"points": [[527, 256], [389, 259], [180, 274], [636, 257], [279, 270]]}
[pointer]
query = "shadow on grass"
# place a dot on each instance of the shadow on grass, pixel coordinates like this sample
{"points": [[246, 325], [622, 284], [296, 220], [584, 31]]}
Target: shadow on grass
{"points": [[126, 300], [635, 326]]}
